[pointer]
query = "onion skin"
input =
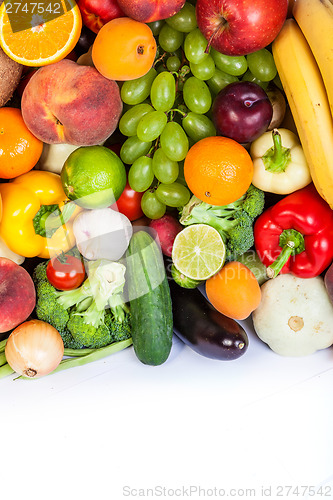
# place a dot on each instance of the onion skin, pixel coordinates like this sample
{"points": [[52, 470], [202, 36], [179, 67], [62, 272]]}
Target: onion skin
{"points": [[34, 349]]}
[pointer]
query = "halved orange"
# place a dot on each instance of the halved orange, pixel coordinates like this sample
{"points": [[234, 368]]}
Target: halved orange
{"points": [[44, 41]]}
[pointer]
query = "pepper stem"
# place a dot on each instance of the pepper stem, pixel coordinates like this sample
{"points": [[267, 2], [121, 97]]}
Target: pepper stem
{"points": [[277, 158], [49, 218], [292, 243]]}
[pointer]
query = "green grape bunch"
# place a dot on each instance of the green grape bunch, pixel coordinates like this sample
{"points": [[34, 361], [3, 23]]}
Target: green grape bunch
{"points": [[168, 109]]}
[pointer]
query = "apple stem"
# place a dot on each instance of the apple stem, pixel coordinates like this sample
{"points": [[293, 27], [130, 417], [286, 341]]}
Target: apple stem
{"points": [[221, 27]]}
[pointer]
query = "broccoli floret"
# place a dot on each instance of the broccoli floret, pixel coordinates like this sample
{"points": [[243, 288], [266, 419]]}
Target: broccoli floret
{"points": [[79, 314], [87, 334], [120, 329], [47, 307], [97, 328], [69, 341], [253, 201], [240, 238], [234, 222], [39, 273]]}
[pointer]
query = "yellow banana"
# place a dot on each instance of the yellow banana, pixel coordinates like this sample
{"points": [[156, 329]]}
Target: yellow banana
{"points": [[307, 98], [315, 18]]}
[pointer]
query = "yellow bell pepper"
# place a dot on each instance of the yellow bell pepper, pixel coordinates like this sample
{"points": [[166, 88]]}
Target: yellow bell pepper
{"points": [[25, 202], [279, 163]]}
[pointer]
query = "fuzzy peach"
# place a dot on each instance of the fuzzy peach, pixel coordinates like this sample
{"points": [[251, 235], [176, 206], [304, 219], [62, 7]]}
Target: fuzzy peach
{"points": [[69, 103], [17, 294]]}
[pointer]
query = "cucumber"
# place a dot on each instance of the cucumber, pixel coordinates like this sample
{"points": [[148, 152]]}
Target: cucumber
{"points": [[150, 300]]}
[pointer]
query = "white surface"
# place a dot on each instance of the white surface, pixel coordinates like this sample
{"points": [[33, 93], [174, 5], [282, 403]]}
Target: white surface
{"points": [[116, 425]]}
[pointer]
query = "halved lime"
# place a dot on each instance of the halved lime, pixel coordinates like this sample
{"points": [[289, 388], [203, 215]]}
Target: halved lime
{"points": [[198, 251], [93, 177]]}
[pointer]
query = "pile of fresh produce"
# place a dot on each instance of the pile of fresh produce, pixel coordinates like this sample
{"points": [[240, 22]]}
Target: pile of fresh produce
{"points": [[166, 167]]}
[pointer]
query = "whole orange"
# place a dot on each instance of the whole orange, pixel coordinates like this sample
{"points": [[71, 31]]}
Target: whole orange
{"points": [[234, 291], [124, 49], [20, 150], [218, 170]]}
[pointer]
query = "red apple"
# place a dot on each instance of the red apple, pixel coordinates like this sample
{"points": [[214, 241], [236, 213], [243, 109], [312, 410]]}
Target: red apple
{"points": [[96, 13], [239, 27], [147, 11], [17, 295]]}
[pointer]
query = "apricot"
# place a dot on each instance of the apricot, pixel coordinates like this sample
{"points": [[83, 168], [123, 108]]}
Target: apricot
{"points": [[124, 49]]}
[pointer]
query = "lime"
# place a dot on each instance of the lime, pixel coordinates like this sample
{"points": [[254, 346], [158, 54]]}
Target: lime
{"points": [[182, 280], [198, 251], [93, 177]]}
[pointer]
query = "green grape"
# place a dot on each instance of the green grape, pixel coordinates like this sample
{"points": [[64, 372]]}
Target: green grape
{"points": [[163, 91], [160, 68], [151, 206], [129, 121], [151, 126], [173, 195], [156, 26], [278, 83], [232, 65], [185, 20], [183, 108], [197, 96], [198, 126], [194, 46], [133, 148], [205, 69], [262, 65], [173, 63], [137, 90], [181, 176], [170, 39], [249, 77], [174, 141], [165, 170], [140, 174], [220, 80]]}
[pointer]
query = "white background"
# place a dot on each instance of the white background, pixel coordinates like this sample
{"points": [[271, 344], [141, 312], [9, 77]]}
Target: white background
{"points": [[89, 432]]}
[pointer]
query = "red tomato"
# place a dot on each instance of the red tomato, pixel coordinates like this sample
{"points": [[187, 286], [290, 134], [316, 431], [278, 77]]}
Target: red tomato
{"points": [[129, 203], [65, 272]]}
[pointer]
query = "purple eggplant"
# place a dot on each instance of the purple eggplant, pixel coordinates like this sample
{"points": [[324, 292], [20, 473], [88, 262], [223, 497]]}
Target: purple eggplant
{"points": [[200, 326]]}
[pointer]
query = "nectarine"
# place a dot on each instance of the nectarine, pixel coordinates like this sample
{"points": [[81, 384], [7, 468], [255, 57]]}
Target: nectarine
{"points": [[148, 11]]}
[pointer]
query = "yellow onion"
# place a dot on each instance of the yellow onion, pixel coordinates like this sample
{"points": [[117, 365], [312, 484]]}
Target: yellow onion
{"points": [[34, 349]]}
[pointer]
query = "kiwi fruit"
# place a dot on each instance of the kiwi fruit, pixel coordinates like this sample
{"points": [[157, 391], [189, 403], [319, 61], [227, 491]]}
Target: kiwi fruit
{"points": [[10, 74]]}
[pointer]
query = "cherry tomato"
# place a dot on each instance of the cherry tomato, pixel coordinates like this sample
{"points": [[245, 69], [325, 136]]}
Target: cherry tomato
{"points": [[129, 203], [65, 272]]}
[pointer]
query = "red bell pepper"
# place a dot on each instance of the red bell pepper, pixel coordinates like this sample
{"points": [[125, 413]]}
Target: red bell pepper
{"points": [[296, 235]]}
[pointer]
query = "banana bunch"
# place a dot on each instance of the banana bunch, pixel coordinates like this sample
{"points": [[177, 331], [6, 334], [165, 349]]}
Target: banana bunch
{"points": [[303, 54]]}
